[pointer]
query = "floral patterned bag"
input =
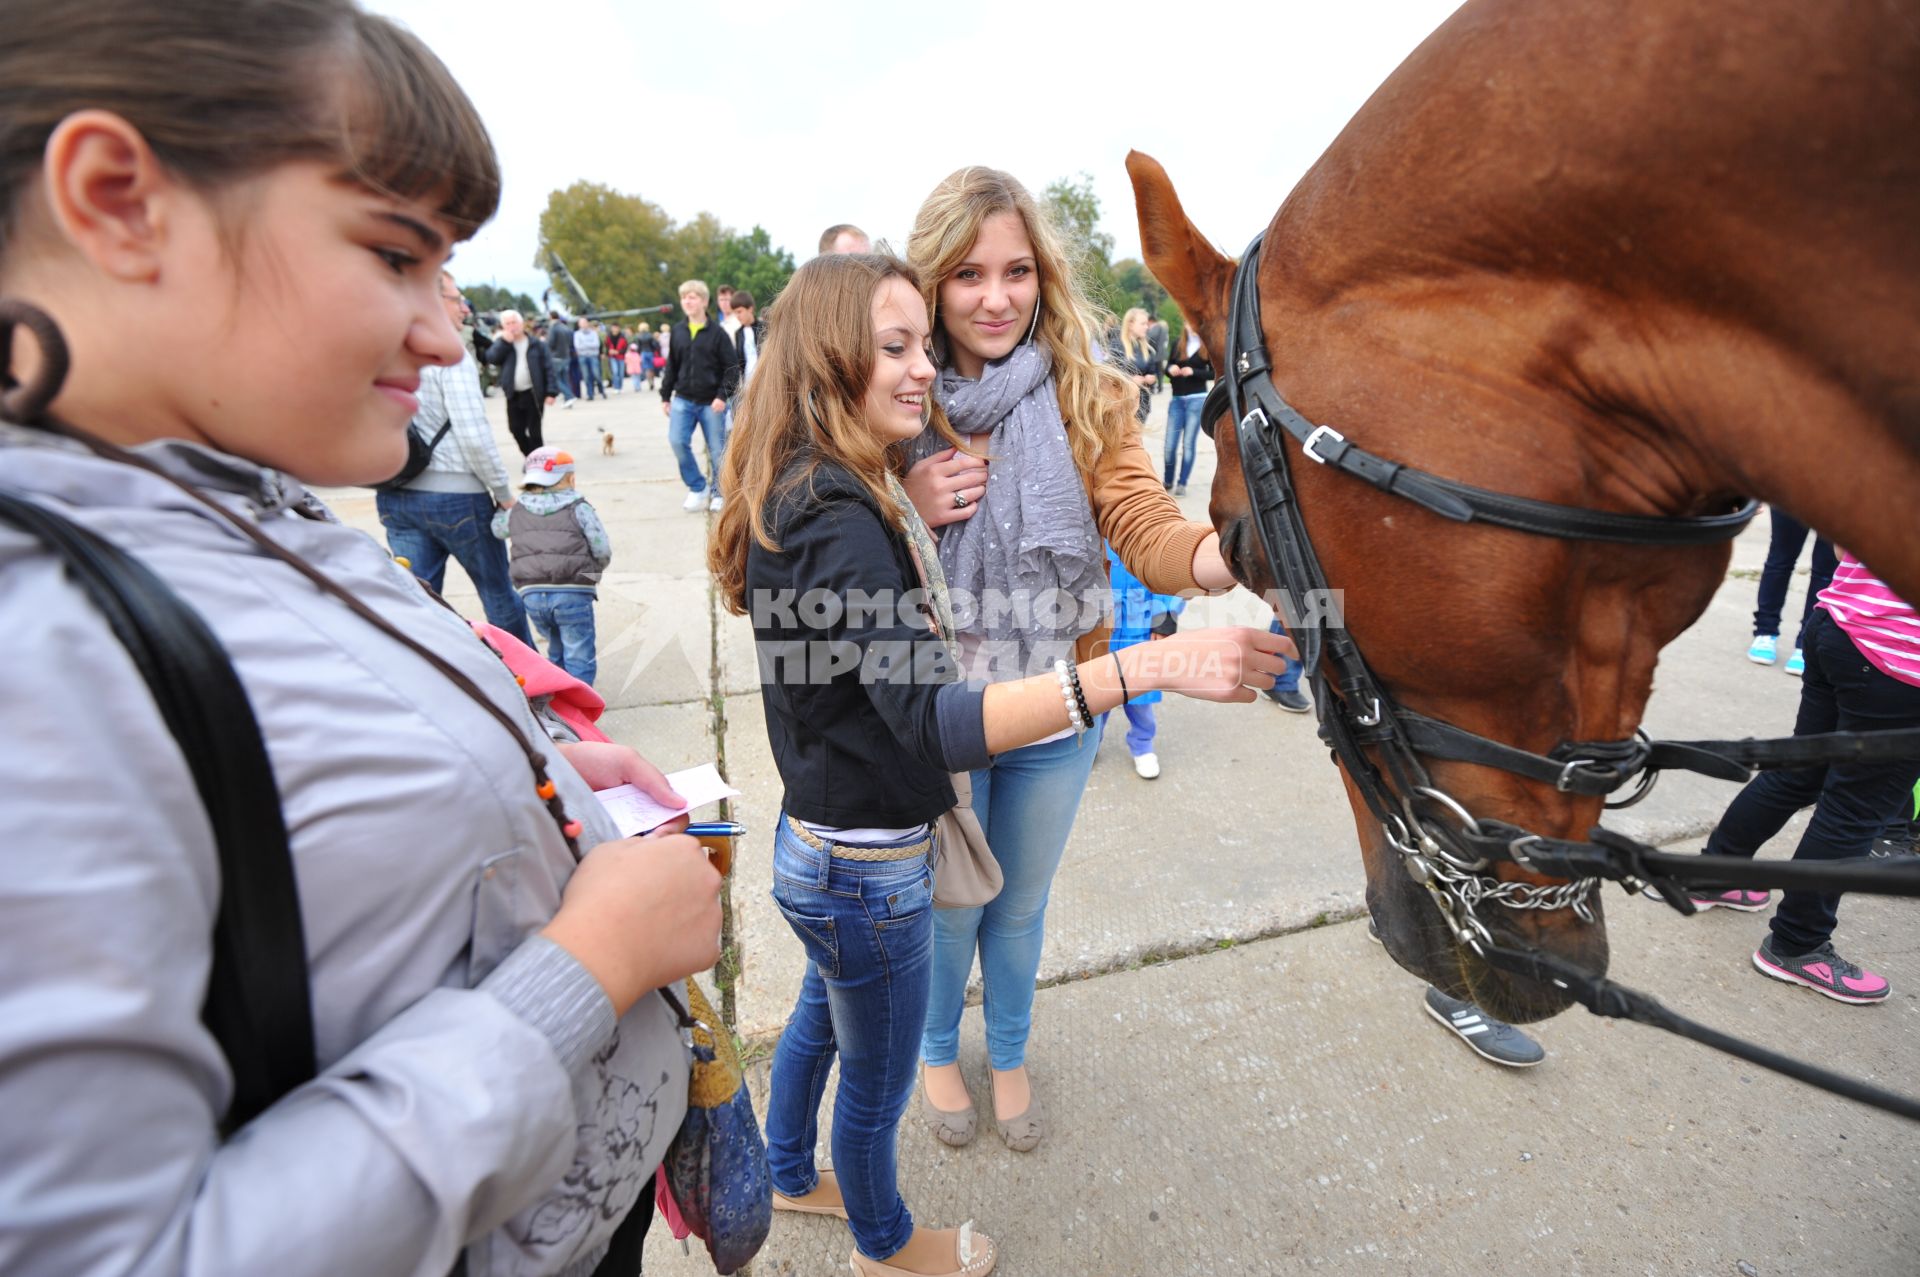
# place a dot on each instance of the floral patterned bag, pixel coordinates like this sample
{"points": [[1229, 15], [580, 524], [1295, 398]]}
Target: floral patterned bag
{"points": [[715, 1170]]}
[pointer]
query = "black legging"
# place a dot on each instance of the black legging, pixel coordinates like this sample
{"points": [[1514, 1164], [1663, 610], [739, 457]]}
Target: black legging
{"points": [[1842, 692]]}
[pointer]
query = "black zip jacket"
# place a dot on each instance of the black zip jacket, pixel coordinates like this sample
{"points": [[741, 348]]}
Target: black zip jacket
{"points": [[1202, 374], [539, 366], [865, 713], [700, 368]]}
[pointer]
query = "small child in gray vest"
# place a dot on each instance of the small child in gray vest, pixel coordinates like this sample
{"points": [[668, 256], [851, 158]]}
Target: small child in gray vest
{"points": [[559, 548]]}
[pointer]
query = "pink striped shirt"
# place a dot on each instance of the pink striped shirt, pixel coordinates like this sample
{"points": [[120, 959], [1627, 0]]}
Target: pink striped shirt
{"points": [[1881, 624]]}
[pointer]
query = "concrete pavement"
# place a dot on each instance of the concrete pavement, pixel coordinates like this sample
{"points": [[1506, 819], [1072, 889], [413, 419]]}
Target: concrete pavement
{"points": [[1238, 1081]]}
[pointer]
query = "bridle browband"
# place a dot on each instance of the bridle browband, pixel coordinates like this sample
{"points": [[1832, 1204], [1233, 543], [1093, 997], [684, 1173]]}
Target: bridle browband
{"points": [[1381, 744]]}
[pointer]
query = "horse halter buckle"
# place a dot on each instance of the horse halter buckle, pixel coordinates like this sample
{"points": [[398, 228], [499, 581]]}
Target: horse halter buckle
{"points": [[1321, 433]]}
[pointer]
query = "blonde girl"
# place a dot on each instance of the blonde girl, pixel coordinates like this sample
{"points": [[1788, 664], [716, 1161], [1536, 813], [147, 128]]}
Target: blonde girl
{"points": [[1054, 468], [1136, 358]]}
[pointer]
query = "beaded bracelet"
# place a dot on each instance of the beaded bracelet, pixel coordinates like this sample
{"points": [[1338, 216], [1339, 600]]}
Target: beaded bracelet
{"points": [[1065, 673], [1080, 693]]}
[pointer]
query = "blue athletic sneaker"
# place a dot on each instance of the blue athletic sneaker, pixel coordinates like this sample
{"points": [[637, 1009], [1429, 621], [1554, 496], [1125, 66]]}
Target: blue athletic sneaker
{"points": [[1490, 1039], [1797, 663], [1765, 648]]}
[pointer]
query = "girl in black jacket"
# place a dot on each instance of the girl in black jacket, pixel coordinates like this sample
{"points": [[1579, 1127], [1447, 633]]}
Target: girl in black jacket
{"points": [[1189, 374], [867, 717]]}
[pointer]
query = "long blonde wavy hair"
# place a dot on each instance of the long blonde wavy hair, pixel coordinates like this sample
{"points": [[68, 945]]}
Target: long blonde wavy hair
{"points": [[1136, 348], [1096, 400], [804, 406]]}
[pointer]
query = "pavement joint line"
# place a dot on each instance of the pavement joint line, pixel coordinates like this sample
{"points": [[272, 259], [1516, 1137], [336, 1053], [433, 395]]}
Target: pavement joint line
{"points": [[726, 972]]}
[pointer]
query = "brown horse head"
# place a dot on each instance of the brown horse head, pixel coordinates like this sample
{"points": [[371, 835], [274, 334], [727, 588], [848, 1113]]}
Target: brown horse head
{"points": [[1695, 282]]}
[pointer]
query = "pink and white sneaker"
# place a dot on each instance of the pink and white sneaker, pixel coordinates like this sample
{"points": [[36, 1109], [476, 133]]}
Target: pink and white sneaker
{"points": [[1823, 971], [1744, 901]]}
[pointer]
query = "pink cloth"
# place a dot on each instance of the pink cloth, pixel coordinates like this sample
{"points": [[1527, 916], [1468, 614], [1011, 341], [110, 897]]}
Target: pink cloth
{"points": [[575, 703], [1881, 624], [669, 1209]]}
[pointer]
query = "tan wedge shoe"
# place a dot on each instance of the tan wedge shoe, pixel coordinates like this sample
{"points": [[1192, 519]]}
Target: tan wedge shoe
{"points": [[953, 1127], [975, 1256]]}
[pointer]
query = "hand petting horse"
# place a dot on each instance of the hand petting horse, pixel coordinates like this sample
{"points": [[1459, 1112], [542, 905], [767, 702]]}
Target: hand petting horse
{"points": [[1649, 258]]}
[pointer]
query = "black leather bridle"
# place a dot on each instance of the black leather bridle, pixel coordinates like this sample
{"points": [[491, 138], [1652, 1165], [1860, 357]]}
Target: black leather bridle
{"points": [[1382, 744]]}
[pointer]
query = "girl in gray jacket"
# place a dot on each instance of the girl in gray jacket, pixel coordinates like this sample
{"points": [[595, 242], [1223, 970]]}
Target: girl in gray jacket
{"points": [[495, 1079]]}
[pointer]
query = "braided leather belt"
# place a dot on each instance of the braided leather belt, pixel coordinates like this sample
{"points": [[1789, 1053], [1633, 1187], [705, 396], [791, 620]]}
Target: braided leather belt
{"points": [[842, 851]]}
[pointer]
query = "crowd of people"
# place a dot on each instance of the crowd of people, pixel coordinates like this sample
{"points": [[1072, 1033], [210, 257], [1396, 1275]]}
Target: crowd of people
{"points": [[491, 1072]]}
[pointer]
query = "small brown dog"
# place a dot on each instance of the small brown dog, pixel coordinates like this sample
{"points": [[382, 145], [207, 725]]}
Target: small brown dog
{"points": [[606, 443]]}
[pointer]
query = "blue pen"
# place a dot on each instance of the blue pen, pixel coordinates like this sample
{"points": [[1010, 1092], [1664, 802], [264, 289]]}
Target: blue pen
{"points": [[718, 829]]}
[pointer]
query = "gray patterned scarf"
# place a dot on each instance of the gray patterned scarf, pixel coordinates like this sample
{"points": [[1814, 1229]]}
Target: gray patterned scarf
{"points": [[1033, 541]]}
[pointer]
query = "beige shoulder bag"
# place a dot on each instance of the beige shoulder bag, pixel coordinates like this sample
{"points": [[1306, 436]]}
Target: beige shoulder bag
{"points": [[965, 874]]}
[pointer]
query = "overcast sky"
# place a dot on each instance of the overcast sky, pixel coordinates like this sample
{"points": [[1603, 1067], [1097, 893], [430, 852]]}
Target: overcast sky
{"points": [[796, 116]]}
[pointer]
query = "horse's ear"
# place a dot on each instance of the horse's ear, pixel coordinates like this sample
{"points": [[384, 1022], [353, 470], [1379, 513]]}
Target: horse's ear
{"points": [[1187, 266]]}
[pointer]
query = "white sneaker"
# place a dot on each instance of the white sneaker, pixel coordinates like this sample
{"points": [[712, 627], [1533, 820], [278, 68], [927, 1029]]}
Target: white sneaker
{"points": [[714, 505], [1146, 766], [566, 403], [695, 502]]}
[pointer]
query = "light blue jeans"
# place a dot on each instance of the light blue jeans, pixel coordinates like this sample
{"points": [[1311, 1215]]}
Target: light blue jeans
{"points": [[713, 428], [867, 928], [1026, 800], [1183, 427], [1141, 727], [565, 620]]}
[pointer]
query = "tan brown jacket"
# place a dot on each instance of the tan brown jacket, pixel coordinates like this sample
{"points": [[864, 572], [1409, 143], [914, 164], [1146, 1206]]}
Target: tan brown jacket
{"points": [[1144, 526]]}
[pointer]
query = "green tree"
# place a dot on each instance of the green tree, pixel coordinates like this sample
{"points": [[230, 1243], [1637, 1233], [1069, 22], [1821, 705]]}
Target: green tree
{"points": [[1135, 284], [491, 297], [627, 253], [705, 249], [1075, 210], [694, 250], [751, 262], [618, 246]]}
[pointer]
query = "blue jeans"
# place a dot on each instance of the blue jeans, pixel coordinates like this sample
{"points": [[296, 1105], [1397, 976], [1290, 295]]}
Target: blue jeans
{"points": [[1288, 680], [618, 370], [1840, 692], [713, 428], [1783, 551], [425, 527], [568, 387], [565, 620], [589, 374], [1183, 421], [1140, 728], [867, 928], [1026, 800]]}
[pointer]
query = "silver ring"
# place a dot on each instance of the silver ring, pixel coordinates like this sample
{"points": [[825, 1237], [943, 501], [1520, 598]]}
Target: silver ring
{"points": [[960, 501]]}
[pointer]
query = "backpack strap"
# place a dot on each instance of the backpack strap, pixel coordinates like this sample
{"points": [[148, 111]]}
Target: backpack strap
{"points": [[258, 1004]]}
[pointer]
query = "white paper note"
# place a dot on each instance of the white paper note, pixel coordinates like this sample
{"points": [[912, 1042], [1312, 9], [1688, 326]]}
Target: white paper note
{"points": [[635, 813]]}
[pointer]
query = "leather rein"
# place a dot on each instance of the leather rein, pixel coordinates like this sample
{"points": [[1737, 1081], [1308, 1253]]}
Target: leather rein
{"points": [[1381, 743]]}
